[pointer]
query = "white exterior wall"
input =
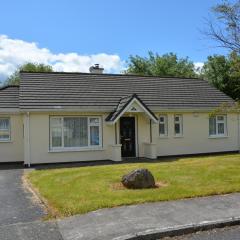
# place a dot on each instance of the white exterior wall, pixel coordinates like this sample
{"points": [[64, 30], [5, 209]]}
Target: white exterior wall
{"points": [[40, 147], [12, 151], [195, 137]]}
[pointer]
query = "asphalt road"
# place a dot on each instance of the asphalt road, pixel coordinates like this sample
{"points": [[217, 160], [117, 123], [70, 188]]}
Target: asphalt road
{"points": [[20, 215], [228, 233], [16, 203]]}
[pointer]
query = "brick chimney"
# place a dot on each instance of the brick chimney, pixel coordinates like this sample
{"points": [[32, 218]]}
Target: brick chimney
{"points": [[96, 69]]}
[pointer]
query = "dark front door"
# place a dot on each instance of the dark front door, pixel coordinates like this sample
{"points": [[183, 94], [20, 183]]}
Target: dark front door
{"points": [[127, 134]]}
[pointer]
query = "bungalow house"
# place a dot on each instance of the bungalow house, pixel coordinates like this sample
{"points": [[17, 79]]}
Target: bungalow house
{"points": [[67, 117]]}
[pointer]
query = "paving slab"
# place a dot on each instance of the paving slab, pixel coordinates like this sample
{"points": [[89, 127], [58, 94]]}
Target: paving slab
{"points": [[127, 222]]}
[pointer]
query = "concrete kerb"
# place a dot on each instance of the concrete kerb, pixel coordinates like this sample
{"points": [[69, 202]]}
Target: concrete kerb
{"points": [[153, 234]]}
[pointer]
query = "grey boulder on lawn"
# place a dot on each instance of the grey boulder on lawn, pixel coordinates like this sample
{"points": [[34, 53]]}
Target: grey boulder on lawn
{"points": [[138, 179]]}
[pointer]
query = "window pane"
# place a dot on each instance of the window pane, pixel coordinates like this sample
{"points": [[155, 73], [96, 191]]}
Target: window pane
{"points": [[71, 132], [75, 132], [177, 128], [94, 135], [57, 122], [212, 126], [220, 128], [220, 118], [83, 132], [94, 120], [4, 129], [177, 118], [4, 137], [162, 128], [56, 137], [161, 119], [4, 124]]}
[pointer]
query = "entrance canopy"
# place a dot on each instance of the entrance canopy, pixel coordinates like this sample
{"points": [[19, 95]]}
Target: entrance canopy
{"points": [[132, 104]]}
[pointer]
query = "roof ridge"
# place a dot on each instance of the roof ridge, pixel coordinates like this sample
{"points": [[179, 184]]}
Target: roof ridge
{"points": [[113, 74]]}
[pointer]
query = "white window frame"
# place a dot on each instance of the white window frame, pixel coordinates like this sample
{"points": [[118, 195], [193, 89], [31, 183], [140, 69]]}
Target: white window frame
{"points": [[165, 123], [224, 121], [180, 122], [8, 131], [89, 147]]}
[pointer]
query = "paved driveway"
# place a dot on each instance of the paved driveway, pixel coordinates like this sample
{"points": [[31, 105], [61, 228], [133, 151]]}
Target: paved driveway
{"points": [[16, 204], [20, 216]]}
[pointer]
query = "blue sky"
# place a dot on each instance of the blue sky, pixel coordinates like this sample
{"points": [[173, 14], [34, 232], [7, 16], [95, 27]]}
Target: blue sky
{"points": [[115, 28]]}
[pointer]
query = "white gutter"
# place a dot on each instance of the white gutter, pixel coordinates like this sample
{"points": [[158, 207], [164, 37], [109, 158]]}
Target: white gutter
{"points": [[107, 110], [9, 110]]}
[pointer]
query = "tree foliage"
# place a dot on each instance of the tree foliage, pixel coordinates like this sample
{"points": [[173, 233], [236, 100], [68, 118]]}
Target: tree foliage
{"points": [[224, 73], [224, 28], [167, 65], [14, 79]]}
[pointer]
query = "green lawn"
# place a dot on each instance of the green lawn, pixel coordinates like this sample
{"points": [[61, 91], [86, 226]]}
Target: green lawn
{"points": [[72, 191]]}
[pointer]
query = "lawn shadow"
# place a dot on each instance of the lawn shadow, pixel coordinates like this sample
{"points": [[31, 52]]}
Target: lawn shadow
{"points": [[119, 186], [124, 161], [102, 163], [11, 166]]}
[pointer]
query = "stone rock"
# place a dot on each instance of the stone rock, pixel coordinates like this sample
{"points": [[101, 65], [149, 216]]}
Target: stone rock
{"points": [[138, 179]]}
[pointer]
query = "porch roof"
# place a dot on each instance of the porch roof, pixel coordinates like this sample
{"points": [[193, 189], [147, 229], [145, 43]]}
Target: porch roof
{"points": [[125, 104]]}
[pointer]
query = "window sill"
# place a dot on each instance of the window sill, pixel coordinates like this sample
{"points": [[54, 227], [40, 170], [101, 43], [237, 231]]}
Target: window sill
{"points": [[5, 141], [76, 150], [179, 136], [163, 137], [215, 137]]}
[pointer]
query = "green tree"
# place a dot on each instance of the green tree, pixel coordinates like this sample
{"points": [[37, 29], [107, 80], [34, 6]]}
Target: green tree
{"points": [[233, 88], [216, 71], [14, 79], [224, 73], [224, 25], [167, 65]]}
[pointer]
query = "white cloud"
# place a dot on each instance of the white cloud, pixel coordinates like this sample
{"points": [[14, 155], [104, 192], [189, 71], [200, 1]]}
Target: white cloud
{"points": [[198, 66], [15, 52]]}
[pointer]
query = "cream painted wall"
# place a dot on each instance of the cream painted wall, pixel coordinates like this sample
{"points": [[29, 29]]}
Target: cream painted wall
{"points": [[143, 132], [13, 151], [196, 136], [39, 141]]}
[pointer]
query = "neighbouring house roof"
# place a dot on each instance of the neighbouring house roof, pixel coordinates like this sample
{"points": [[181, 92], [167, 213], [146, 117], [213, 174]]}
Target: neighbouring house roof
{"points": [[104, 91], [9, 97], [123, 106]]}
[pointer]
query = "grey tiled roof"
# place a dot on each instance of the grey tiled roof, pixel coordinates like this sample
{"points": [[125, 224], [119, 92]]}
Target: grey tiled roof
{"points": [[95, 91], [9, 97]]}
